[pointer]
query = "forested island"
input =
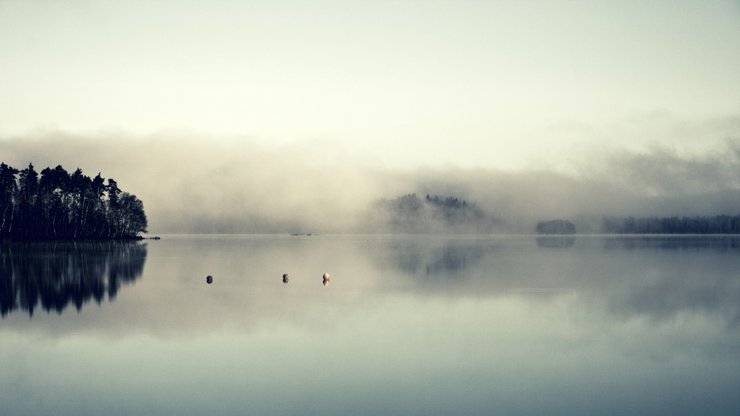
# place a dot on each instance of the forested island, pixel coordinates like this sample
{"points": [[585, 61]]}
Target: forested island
{"points": [[434, 213], [555, 227], [57, 205]]}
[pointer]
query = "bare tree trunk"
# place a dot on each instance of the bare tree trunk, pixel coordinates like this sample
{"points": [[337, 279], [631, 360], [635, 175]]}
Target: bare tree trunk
{"points": [[5, 214], [12, 215]]}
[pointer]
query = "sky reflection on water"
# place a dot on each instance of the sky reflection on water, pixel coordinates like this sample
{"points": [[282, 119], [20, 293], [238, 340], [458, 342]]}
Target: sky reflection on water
{"points": [[409, 325]]}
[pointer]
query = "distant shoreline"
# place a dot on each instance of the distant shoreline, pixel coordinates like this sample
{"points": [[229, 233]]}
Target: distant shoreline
{"points": [[44, 240], [437, 234]]}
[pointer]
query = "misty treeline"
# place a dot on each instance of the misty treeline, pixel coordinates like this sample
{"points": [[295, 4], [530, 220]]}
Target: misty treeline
{"points": [[555, 227], [720, 224], [434, 213], [411, 213], [55, 204]]}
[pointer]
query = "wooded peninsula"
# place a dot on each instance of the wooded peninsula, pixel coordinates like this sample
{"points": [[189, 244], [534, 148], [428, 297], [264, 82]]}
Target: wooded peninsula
{"points": [[56, 205]]}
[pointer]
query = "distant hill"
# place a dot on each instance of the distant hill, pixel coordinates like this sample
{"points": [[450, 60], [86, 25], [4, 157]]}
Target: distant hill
{"points": [[556, 227], [433, 213]]}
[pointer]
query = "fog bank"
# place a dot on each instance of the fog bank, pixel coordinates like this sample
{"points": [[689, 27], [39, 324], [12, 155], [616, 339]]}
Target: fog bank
{"points": [[207, 185]]}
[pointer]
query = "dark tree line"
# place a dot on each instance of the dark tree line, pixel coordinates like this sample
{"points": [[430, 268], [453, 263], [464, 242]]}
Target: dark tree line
{"points": [[720, 224], [54, 204], [447, 202]]}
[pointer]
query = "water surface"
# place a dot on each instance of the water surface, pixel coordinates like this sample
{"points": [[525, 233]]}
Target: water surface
{"points": [[410, 325]]}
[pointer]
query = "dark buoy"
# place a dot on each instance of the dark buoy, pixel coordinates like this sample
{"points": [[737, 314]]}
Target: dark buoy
{"points": [[285, 278], [209, 279], [327, 279]]}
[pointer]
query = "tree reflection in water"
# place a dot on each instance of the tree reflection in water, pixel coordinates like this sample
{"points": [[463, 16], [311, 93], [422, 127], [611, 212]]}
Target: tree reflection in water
{"points": [[556, 241], [55, 274]]}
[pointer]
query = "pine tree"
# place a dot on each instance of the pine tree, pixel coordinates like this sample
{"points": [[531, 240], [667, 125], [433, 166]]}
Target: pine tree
{"points": [[56, 205]]}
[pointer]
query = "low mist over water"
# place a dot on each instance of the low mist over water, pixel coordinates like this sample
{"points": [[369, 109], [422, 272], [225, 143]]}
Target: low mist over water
{"points": [[191, 185]]}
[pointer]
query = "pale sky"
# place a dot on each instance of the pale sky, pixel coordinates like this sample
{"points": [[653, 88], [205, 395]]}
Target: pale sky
{"points": [[492, 84]]}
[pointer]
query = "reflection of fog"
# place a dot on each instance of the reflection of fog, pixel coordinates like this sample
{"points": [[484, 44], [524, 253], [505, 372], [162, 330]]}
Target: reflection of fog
{"points": [[447, 258], [616, 278], [379, 325], [662, 276], [673, 243], [556, 242], [654, 277], [56, 274]]}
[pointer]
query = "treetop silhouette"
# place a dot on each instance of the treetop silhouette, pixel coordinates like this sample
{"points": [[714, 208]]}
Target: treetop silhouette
{"points": [[57, 205]]}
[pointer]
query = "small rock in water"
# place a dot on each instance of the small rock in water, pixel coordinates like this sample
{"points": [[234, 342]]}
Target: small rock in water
{"points": [[327, 279], [285, 278], [209, 279]]}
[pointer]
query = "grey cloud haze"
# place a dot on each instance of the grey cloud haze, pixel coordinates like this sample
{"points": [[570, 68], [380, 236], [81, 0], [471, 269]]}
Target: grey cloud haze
{"points": [[197, 184]]}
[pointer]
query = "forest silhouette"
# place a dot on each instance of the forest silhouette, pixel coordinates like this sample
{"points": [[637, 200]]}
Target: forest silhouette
{"points": [[55, 204]]}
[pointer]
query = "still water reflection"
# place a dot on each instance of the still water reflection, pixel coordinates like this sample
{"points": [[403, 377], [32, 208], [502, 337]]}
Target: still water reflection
{"points": [[53, 275], [409, 325]]}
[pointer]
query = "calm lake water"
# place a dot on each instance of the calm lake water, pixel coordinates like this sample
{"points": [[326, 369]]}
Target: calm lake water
{"points": [[408, 326]]}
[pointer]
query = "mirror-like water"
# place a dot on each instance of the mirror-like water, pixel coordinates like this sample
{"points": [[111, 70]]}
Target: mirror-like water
{"points": [[408, 325]]}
